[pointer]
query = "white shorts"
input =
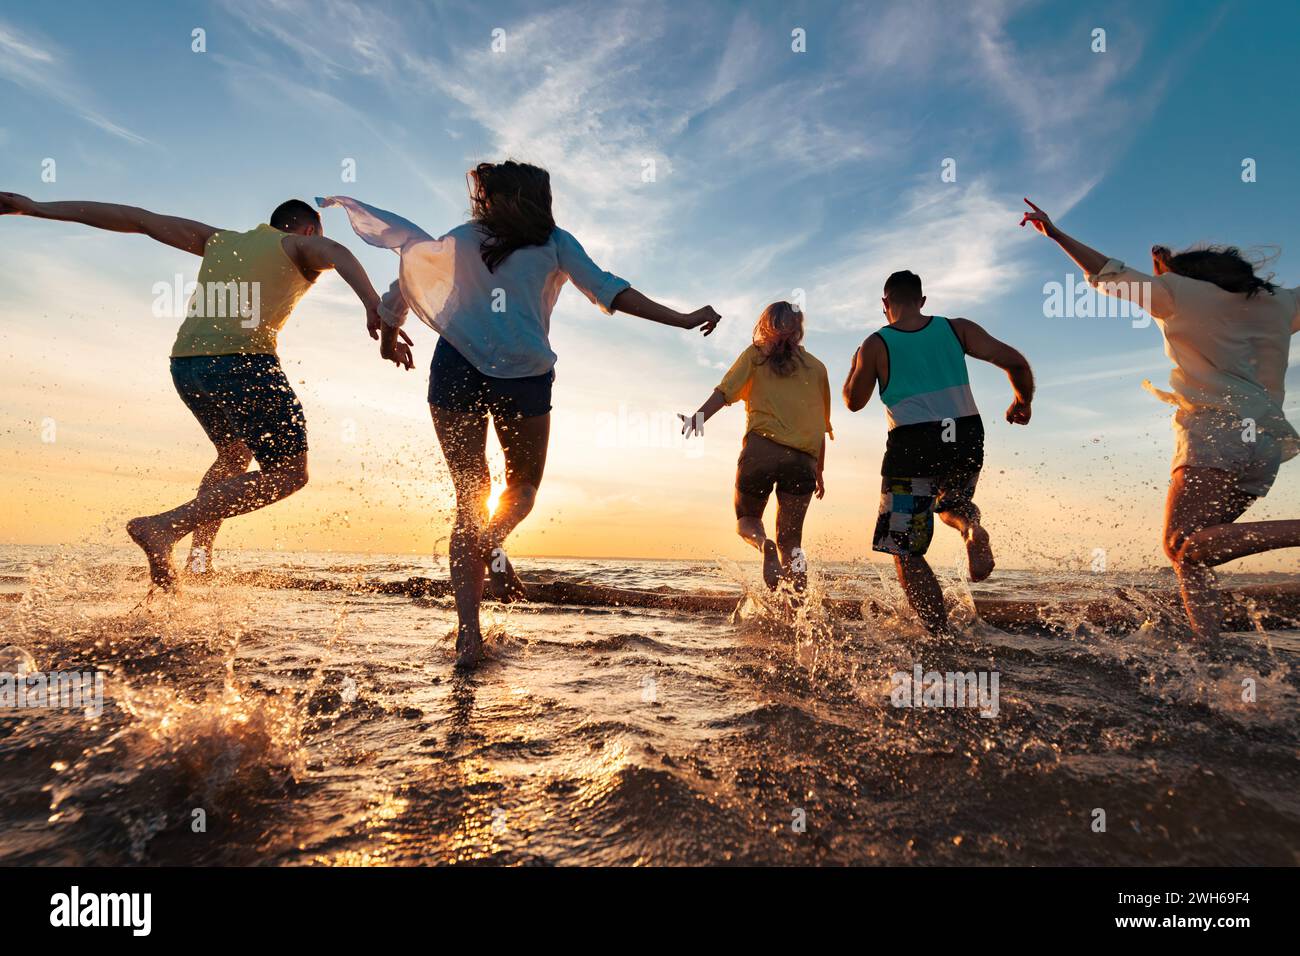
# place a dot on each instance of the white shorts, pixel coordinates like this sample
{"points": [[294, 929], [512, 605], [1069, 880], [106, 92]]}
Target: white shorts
{"points": [[1211, 439]]}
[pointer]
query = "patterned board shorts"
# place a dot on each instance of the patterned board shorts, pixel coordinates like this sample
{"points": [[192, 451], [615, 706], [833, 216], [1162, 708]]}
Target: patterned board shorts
{"points": [[905, 524]]}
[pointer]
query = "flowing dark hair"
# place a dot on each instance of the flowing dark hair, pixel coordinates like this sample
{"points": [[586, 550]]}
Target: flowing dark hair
{"points": [[1225, 266], [512, 203], [777, 334]]}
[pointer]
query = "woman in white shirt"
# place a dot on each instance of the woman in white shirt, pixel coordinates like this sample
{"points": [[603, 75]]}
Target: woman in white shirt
{"points": [[1228, 333], [488, 288]]}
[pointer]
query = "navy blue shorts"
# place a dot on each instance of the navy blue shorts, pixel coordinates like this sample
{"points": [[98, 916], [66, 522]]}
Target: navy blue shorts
{"points": [[457, 386], [243, 398]]}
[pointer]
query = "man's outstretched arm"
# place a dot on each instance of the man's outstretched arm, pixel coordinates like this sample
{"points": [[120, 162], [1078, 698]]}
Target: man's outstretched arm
{"points": [[979, 344], [185, 234]]}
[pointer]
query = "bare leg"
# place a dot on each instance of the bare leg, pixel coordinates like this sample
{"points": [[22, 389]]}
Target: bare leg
{"points": [[523, 442], [1200, 508], [965, 518], [232, 459], [923, 591], [790, 513], [463, 437], [157, 534], [749, 525], [1228, 542], [751, 530]]}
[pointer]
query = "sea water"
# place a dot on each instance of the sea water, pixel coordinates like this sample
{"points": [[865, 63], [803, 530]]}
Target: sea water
{"points": [[294, 713]]}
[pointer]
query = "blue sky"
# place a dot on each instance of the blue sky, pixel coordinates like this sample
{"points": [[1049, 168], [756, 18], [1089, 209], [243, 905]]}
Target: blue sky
{"points": [[773, 171]]}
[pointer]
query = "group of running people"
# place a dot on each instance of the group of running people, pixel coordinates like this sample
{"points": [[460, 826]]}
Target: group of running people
{"points": [[488, 288]]}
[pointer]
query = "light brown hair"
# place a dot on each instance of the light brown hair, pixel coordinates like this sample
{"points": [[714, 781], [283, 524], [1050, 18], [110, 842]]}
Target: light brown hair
{"points": [[777, 334]]}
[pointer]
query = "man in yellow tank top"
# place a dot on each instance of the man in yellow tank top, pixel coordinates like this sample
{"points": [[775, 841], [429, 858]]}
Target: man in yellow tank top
{"points": [[224, 363]]}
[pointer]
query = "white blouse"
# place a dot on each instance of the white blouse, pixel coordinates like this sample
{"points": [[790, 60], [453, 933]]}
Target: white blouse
{"points": [[500, 321], [1230, 352]]}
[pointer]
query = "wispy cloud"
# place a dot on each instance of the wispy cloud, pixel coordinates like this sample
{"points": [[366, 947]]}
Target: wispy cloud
{"points": [[588, 91], [251, 83], [569, 91], [586, 110], [1061, 94], [958, 238], [38, 69], [1153, 366]]}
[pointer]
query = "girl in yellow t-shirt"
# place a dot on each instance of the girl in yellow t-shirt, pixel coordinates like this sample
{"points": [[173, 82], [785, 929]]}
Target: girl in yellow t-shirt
{"points": [[787, 400]]}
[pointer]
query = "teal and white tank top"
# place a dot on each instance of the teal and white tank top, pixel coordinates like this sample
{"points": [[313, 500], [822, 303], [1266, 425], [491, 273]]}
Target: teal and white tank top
{"points": [[928, 381]]}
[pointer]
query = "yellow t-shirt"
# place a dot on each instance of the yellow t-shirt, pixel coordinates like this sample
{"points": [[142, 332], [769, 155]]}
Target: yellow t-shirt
{"points": [[247, 288], [792, 410]]}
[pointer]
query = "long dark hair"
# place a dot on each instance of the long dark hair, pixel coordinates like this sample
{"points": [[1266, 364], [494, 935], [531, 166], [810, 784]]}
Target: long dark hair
{"points": [[1225, 266], [777, 334], [512, 203]]}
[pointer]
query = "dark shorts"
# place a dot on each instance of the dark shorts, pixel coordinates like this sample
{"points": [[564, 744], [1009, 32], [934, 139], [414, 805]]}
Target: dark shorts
{"points": [[457, 386], [905, 523], [243, 398], [929, 468], [953, 446], [764, 465]]}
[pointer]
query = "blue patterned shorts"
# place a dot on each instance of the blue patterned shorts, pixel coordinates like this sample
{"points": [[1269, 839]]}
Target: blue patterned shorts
{"points": [[905, 524]]}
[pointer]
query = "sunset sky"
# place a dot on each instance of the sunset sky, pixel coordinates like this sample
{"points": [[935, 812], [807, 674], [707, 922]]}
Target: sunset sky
{"points": [[774, 170]]}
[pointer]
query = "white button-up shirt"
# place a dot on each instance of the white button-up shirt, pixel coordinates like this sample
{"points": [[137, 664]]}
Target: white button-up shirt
{"points": [[500, 321]]}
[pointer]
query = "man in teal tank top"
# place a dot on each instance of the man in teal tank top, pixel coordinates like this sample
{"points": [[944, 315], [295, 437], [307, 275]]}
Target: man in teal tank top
{"points": [[935, 448]]}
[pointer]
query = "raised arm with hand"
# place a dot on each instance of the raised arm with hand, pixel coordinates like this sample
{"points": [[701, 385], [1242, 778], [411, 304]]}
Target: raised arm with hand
{"points": [[184, 234], [1087, 258], [634, 303], [1150, 293]]}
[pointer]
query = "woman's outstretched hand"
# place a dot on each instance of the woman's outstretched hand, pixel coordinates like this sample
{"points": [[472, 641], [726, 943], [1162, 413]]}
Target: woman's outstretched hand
{"points": [[704, 319], [692, 424], [1086, 258], [395, 347], [1039, 220]]}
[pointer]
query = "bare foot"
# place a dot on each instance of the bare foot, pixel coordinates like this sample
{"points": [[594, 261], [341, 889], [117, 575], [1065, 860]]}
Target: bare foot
{"points": [[469, 648], [771, 564], [504, 582], [1201, 600], [156, 541], [979, 553]]}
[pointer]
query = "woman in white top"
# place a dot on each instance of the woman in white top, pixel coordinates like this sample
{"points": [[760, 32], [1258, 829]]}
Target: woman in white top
{"points": [[488, 288], [1228, 332]]}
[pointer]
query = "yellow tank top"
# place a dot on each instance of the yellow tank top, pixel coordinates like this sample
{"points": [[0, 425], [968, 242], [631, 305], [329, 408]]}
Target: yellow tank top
{"points": [[247, 288]]}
